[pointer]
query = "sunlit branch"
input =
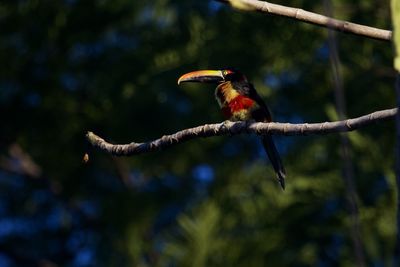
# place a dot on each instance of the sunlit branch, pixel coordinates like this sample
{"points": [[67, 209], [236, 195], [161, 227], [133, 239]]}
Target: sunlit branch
{"points": [[312, 18], [240, 127]]}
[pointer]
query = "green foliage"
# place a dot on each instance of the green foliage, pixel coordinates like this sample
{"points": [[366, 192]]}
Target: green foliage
{"points": [[395, 8], [200, 240]]}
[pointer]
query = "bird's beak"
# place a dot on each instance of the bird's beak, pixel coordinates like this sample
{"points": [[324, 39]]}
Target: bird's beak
{"points": [[202, 76]]}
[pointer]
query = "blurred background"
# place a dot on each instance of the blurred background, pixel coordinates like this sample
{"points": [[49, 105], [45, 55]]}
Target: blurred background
{"points": [[111, 67]]}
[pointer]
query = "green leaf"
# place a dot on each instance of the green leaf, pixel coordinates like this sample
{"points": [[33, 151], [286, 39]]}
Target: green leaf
{"points": [[395, 5]]}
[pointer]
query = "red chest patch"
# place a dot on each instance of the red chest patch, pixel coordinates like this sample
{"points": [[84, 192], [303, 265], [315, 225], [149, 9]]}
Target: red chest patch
{"points": [[237, 104]]}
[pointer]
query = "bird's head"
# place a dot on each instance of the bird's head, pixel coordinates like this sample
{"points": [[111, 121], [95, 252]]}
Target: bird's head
{"points": [[213, 76]]}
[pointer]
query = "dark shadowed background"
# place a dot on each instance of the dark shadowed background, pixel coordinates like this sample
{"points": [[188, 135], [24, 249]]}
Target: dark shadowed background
{"points": [[111, 67]]}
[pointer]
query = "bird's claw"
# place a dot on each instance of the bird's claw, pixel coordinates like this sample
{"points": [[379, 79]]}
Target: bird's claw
{"points": [[225, 127]]}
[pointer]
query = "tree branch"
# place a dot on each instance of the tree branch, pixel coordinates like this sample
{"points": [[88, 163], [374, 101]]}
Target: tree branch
{"points": [[312, 18], [240, 127]]}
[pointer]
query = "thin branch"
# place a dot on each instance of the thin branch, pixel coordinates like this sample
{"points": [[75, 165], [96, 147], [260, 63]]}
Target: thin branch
{"points": [[312, 18], [240, 127], [348, 173], [20, 162]]}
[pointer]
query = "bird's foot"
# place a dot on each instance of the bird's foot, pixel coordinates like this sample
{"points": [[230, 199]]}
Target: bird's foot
{"points": [[225, 126]]}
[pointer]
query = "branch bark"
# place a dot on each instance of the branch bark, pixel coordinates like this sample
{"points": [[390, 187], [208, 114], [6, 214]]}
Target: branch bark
{"points": [[239, 127], [312, 18]]}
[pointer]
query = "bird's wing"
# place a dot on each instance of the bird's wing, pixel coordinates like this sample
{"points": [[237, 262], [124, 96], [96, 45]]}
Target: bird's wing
{"points": [[264, 113]]}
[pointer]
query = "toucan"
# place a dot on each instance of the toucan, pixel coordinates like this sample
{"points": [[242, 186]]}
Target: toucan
{"points": [[239, 101]]}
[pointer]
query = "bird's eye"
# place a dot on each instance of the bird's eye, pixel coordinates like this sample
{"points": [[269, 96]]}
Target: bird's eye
{"points": [[225, 72]]}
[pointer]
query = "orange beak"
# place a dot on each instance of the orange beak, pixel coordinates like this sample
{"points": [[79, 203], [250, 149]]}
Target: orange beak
{"points": [[202, 76]]}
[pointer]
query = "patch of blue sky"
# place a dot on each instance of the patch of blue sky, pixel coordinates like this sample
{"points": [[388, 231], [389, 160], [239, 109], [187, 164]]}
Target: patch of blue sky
{"points": [[15, 226], [285, 78], [69, 81], [80, 239], [5, 261], [214, 7], [89, 208], [84, 257], [152, 185], [322, 53], [272, 81], [203, 173], [149, 15], [57, 218], [289, 77], [6, 228]]}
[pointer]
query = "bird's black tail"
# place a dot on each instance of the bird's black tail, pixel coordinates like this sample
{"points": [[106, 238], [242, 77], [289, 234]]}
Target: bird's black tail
{"points": [[275, 159]]}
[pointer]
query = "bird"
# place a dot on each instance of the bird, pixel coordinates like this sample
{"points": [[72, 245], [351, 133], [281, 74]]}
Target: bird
{"points": [[239, 101]]}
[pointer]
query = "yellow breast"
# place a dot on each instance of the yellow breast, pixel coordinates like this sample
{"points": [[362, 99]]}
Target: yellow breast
{"points": [[225, 93]]}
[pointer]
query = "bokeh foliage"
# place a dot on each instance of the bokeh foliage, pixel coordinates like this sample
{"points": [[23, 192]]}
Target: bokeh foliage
{"points": [[111, 67]]}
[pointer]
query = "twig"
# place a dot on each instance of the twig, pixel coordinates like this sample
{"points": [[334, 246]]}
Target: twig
{"points": [[312, 18], [348, 173], [240, 127], [20, 162]]}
